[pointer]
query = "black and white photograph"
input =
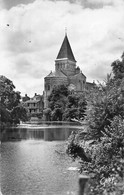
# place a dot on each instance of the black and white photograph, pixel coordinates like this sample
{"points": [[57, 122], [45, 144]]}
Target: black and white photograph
{"points": [[62, 97]]}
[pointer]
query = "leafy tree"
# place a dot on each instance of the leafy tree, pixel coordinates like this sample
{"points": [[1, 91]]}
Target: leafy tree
{"points": [[64, 105], [70, 113], [106, 102], [118, 68], [5, 115], [10, 108], [57, 101], [106, 166], [9, 98], [47, 114], [103, 145], [57, 114], [75, 107], [19, 113]]}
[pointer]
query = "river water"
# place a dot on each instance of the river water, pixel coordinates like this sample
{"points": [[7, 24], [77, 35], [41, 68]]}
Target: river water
{"points": [[35, 164]]}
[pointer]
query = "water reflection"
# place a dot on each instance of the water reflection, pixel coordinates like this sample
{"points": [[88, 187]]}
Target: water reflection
{"points": [[36, 167], [33, 165], [45, 133]]}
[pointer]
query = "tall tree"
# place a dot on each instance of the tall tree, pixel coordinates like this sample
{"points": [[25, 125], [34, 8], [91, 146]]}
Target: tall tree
{"points": [[10, 108], [57, 101], [66, 106], [75, 107], [104, 141]]}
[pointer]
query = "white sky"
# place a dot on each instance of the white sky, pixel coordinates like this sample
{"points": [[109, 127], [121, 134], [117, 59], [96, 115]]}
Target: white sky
{"points": [[32, 33]]}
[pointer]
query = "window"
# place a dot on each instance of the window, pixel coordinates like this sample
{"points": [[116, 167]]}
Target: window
{"points": [[48, 87]]}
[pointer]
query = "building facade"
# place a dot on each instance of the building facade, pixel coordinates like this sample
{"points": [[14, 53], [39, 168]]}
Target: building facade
{"points": [[66, 72], [34, 105]]}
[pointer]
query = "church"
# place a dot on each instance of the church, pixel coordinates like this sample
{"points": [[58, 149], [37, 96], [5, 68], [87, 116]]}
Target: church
{"points": [[66, 72]]}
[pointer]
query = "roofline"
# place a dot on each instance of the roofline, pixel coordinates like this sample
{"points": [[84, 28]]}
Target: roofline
{"points": [[90, 83], [78, 74], [60, 59], [83, 75], [68, 48], [56, 76], [32, 101]]}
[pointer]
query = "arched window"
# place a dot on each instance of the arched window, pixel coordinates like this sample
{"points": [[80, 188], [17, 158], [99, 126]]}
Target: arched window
{"points": [[48, 87]]}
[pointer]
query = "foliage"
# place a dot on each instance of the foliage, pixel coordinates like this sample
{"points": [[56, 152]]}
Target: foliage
{"points": [[9, 98], [5, 114], [57, 101], [118, 68], [106, 166], [106, 102], [104, 141], [47, 114], [75, 149], [10, 108], [38, 115], [64, 105], [57, 96], [57, 114], [75, 107], [18, 113]]}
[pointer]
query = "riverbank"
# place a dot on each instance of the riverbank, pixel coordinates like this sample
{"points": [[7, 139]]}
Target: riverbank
{"points": [[42, 126], [41, 122]]}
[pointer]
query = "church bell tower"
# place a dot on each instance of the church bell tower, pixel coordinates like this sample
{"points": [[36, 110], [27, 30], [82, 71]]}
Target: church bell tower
{"points": [[65, 60]]}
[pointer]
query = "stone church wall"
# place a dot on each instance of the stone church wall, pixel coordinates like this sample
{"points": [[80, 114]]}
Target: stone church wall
{"points": [[79, 81]]}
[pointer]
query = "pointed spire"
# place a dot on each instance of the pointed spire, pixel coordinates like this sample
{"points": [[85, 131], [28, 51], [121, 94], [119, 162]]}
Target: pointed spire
{"points": [[65, 31], [65, 50]]}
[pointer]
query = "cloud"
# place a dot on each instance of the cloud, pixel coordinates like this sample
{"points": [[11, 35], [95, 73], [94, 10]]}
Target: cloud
{"points": [[94, 4], [9, 4], [31, 36]]}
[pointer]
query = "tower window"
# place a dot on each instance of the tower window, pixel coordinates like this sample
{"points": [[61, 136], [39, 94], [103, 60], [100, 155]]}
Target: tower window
{"points": [[48, 87]]}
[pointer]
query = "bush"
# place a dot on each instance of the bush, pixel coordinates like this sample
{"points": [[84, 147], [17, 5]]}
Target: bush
{"points": [[104, 160], [103, 144]]}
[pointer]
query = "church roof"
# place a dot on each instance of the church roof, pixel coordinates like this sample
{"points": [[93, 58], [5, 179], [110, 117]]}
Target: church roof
{"points": [[77, 75], [66, 51], [56, 74], [32, 101]]}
